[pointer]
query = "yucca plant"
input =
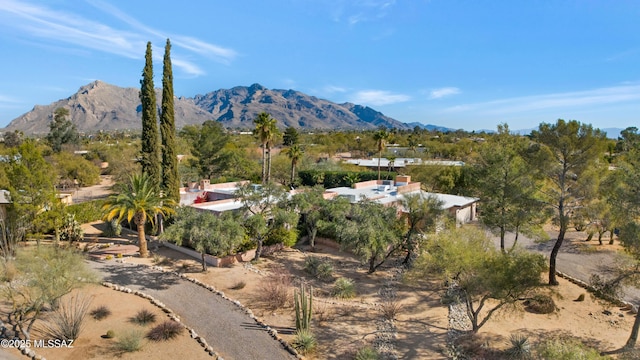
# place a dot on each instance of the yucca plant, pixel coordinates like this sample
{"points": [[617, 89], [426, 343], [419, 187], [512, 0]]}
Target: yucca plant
{"points": [[304, 342], [344, 289], [520, 347]]}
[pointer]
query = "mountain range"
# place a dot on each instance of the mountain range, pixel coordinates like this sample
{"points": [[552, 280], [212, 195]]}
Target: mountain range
{"points": [[100, 106]]}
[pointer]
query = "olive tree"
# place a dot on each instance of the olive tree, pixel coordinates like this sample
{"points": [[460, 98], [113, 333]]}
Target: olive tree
{"points": [[205, 232], [467, 259]]}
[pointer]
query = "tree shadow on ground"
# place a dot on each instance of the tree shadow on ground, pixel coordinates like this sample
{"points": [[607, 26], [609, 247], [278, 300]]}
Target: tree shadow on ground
{"points": [[128, 275]]}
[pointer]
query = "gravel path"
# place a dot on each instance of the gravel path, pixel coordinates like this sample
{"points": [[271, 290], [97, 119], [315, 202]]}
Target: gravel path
{"points": [[230, 332]]}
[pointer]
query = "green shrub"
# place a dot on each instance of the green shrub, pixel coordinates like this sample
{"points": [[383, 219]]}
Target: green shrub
{"points": [[113, 228], [165, 331], [520, 347], [319, 268], [331, 179], [110, 334], [87, 212], [304, 342], [566, 349], [280, 235], [325, 271], [100, 312], [130, 341], [344, 288], [144, 317], [367, 353]]}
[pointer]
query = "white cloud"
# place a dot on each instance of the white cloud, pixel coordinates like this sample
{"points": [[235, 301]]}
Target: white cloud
{"points": [[358, 11], [7, 99], [559, 101], [378, 97], [222, 54], [331, 89], [59, 27], [443, 92]]}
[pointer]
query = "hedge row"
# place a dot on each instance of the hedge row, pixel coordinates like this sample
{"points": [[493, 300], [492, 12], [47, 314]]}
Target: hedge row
{"points": [[332, 179]]}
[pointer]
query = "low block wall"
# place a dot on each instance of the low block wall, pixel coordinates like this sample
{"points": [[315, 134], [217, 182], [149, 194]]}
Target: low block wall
{"points": [[224, 261]]}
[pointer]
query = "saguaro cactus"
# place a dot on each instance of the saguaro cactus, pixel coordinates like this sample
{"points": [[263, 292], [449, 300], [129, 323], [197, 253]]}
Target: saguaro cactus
{"points": [[303, 307]]}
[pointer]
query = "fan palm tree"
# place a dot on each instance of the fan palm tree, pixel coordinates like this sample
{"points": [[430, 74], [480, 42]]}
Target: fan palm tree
{"points": [[139, 200], [294, 152], [266, 131], [381, 137]]}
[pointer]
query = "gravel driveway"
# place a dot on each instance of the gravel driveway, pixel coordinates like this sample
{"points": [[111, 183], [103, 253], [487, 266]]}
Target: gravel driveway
{"points": [[231, 332]]}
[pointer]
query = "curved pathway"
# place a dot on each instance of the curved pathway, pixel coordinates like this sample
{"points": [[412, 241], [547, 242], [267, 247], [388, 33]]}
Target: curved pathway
{"points": [[228, 329]]}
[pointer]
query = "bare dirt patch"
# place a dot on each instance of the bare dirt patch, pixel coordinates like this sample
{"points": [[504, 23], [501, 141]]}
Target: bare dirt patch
{"points": [[92, 345]]}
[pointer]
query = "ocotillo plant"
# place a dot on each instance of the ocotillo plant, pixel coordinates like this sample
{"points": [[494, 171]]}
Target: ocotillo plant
{"points": [[303, 305]]}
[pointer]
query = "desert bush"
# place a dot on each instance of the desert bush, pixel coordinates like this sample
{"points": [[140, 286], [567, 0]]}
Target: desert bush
{"points": [[165, 331], [311, 264], [520, 347], [390, 308], [304, 342], [8, 270], [367, 353], [566, 349], [275, 289], [67, 319], [100, 312], [323, 313], [144, 317], [110, 334], [319, 268], [130, 341], [344, 288], [541, 304]]}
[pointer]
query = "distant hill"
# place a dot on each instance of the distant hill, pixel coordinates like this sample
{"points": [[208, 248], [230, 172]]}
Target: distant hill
{"points": [[430, 127], [101, 106]]}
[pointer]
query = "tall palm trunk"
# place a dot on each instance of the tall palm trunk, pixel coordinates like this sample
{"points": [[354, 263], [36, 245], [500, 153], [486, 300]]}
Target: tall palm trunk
{"points": [[293, 171], [268, 162], [142, 239], [264, 162]]}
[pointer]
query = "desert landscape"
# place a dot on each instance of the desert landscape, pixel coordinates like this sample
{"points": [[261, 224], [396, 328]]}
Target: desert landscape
{"points": [[417, 329]]}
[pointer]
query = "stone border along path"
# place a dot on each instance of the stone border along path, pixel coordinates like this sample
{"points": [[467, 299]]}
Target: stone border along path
{"points": [[212, 326]]}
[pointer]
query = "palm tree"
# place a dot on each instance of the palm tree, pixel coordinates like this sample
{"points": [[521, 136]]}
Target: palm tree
{"points": [[294, 152], [139, 200], [266, 131], [381, 137]]}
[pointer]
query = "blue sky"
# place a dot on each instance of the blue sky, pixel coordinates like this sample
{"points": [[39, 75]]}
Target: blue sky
{"points": [[461, 64]]}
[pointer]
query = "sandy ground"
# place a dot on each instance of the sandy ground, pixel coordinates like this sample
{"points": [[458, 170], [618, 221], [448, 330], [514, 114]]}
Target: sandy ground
{"points": [[91, 344], [343, 326]]}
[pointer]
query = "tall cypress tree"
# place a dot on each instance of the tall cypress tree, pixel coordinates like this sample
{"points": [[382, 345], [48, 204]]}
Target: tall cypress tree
{"points": [[170, 178], [150, 153]]}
